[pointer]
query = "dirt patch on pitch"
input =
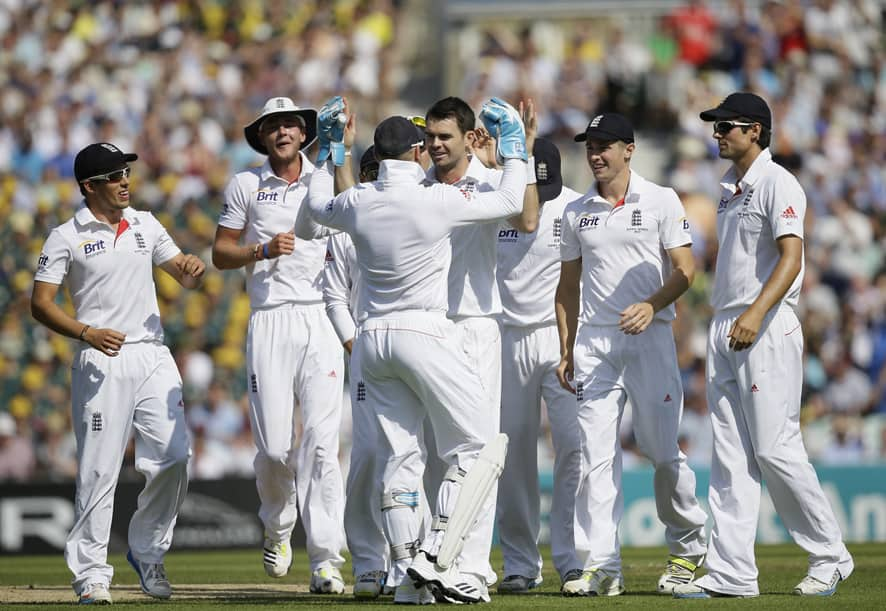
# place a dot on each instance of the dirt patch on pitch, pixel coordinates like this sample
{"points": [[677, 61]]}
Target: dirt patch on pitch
{"points": [[220, 592]]}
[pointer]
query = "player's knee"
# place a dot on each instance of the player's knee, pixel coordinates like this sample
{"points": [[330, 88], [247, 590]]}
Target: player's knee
{"points": [[400, 498]]}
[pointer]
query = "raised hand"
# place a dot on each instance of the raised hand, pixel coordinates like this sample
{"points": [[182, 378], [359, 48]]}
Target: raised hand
{"points": [[331, 121], [503, 121]]}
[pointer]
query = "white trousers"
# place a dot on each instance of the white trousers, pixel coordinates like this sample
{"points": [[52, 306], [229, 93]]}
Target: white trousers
{"points": [[530, 356], [412, 367], [610, 369], [754, 398], [293, 355], [139, 391], [369, 453]]}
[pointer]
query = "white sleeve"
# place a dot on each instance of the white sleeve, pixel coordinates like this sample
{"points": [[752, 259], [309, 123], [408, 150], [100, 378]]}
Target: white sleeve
{"points": [[55, 259], [506, 201], [320, 188], [673, 231], [164, 248], [323, 208], [786, 206], [337, 286], [234, 210], [570, 248]]}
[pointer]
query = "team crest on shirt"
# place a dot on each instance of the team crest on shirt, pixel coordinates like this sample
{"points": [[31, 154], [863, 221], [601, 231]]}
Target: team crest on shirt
{"points": [[556, 232], [745, 202], [637, 222], [92, 248], [468, 190]]}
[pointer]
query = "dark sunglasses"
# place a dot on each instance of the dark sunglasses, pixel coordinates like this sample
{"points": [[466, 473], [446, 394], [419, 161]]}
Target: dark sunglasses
{"points": [[724, 127], [115, 176]]}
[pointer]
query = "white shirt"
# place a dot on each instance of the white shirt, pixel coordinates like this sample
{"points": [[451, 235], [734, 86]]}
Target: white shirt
{"points": [[341, 285], [110, 275], [264, 204], [622, 247], [529, 266], [766, 204], [473, 290], [401, 228]]}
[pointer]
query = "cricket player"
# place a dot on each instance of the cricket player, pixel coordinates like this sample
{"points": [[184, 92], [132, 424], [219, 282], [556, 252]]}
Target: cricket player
{"points": [[124, 381], [528, 272], [410, 364], [625, 251], [474, 300], [292, 352], [755, 367]]}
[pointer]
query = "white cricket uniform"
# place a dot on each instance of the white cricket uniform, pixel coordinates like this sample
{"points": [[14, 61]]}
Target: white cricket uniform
{"points": [[292, 354], [411, 365], [624, 261], [370, 452], [362, 516], [110, 277], [474, 306], [754, 394], [528, 272]]}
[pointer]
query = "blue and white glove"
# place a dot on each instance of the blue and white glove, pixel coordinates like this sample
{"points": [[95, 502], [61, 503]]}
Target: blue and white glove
{"points": [[331, 121], [503, 122]]}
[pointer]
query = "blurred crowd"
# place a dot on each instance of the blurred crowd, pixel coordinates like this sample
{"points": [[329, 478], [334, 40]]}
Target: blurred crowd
{"points": [[175, 81]]}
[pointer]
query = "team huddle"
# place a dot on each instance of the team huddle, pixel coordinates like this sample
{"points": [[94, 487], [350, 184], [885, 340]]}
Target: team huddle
{"points": [[466, 286]]}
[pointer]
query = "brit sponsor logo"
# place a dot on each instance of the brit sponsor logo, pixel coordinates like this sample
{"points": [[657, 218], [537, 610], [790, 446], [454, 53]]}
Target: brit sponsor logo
{"points": [[724, 203], [43, 261], [92, 248], [266, 197], [588, 222], [508, 236]]}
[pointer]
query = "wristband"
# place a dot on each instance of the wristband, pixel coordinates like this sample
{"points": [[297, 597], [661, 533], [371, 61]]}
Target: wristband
{"points": [[266, 251], [347, 152], [530, 171], [82, 333], [255, 252]]}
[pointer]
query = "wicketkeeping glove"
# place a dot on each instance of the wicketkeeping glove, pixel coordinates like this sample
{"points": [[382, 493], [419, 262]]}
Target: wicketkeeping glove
{"points": [[503, 121], [331, 121]]}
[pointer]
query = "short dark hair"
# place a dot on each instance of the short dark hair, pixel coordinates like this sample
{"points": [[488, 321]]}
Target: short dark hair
{"points": [[765, 133], [765, 137], [453, 108]]}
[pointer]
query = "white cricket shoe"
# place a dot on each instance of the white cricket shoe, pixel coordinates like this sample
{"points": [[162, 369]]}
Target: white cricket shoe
{"points": [[95, 594], [679, 571], [811, 586], [277, 558], [408, 594], [151, 576], [369, 585], [595, 582], [693, 590], [448, 585], [327, 580], [518, 584]]}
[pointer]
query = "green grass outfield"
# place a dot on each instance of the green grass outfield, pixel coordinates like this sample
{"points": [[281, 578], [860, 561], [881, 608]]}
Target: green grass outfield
{"points": [[235, 579]]}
